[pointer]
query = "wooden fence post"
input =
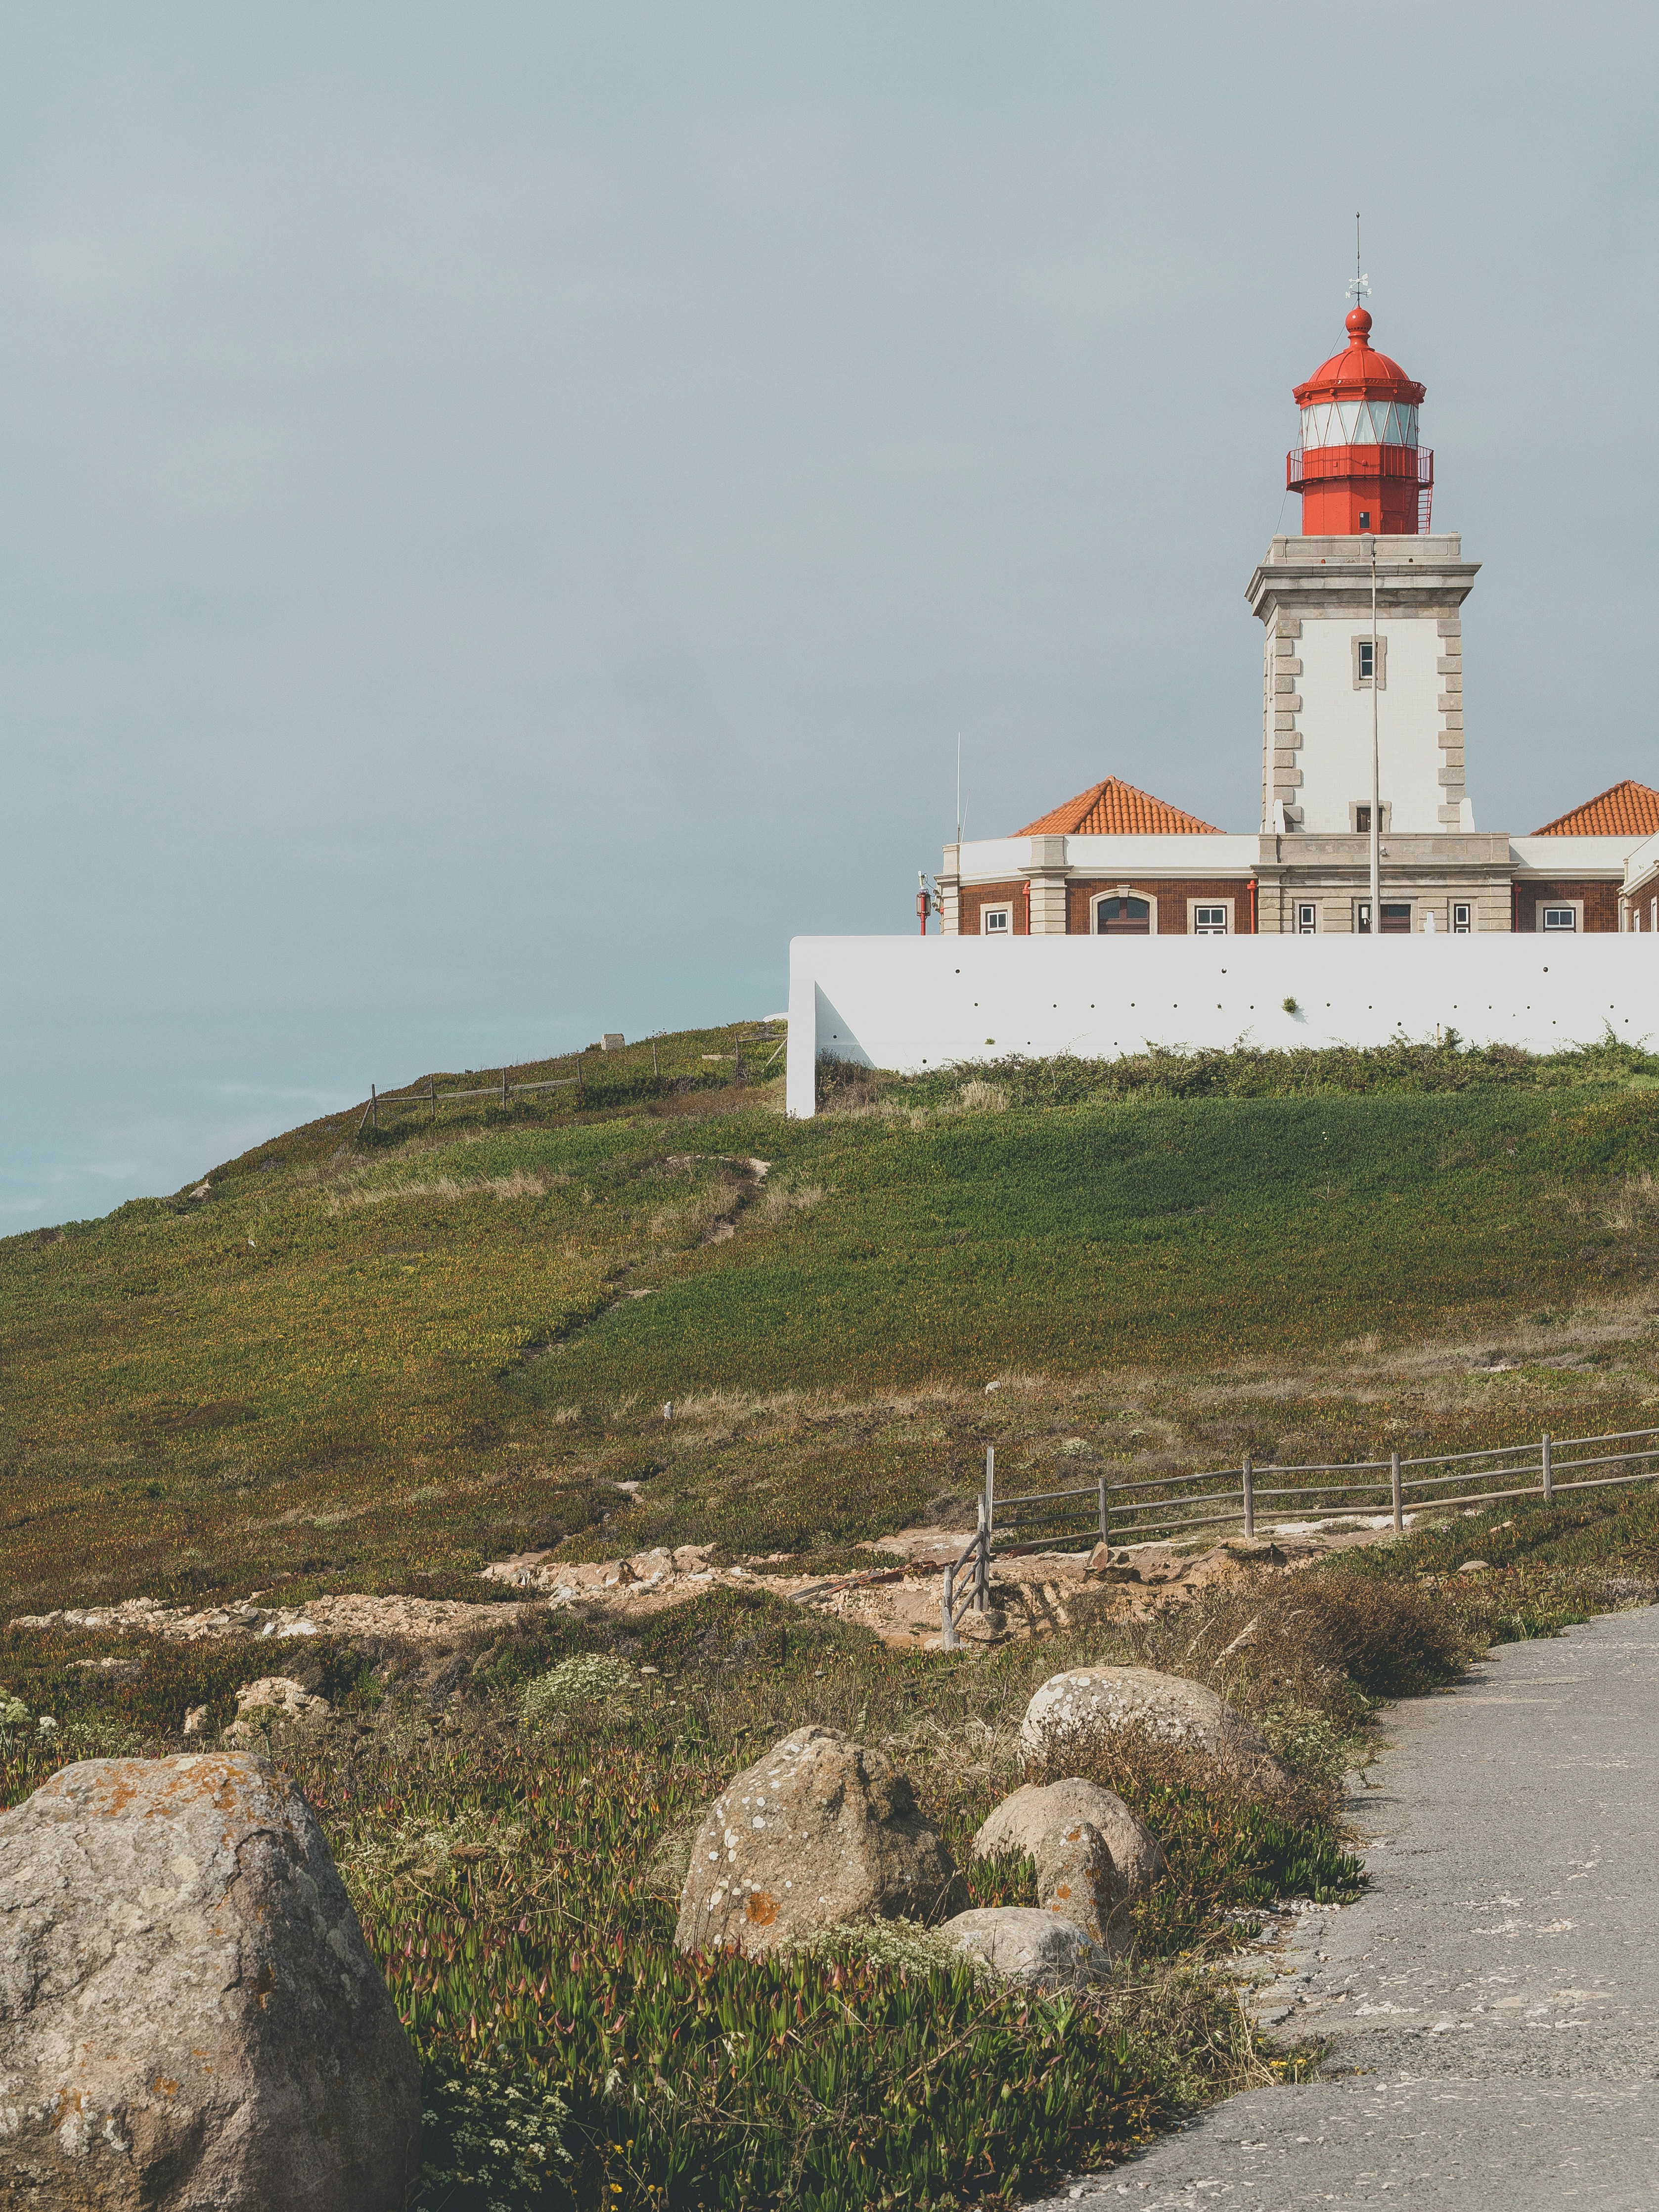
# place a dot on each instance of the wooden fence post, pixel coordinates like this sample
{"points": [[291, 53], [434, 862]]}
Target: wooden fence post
{"points": [[982, 1563], [947, 1639], [1393, 1486], [1249, 1496], [1549, 1473], [1105, 1524], [375, 1106], [432, 1094]]}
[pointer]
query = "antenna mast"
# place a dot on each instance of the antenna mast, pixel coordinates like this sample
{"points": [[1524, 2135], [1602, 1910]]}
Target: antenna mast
{"points": [[1360, 284]]}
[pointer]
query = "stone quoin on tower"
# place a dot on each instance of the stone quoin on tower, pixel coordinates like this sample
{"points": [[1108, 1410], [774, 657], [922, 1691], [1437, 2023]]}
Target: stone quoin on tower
{"points": [[1359, 468]]}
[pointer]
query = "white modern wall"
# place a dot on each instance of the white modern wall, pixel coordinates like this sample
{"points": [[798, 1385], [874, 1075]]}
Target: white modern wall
{"points": [[912, 1003]]}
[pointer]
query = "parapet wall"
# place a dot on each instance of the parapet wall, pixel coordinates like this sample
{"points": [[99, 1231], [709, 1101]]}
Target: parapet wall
{"points": [[911, 1003]]}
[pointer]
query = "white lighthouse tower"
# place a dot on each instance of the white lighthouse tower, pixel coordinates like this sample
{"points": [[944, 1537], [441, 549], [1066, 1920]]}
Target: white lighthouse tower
{"points": [[1366, 486]]}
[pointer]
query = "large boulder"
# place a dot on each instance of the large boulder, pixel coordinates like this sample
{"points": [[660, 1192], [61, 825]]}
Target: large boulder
{"points": [[1024, 1945], [821, 1832], [1092, 1701], [1076, 1879], [189, 2021], [1025, 1816]]}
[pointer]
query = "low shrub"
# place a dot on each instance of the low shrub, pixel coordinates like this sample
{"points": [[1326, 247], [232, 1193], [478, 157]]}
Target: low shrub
{"points": [[587, 1677]]}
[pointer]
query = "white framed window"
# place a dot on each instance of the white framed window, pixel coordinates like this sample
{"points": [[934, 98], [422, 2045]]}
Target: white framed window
{"points": [[996, 920], [1359, 817], [1209, 917], [1463, 918], [1559, 917], [1307, 919], [1362, 663]]}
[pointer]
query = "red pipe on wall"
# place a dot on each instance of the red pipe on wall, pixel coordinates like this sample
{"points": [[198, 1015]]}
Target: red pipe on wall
{"points": [[1255, 921], [1026, 888], [922, 911]]}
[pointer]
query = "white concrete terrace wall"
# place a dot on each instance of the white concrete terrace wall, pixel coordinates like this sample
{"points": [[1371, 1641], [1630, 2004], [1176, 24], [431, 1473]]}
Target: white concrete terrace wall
{"points": [[995, 860], [913, 1003]]}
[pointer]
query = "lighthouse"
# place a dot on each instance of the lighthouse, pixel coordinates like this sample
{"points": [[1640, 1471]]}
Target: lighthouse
{"points": [[1366, 483], [1362, 678], [1359, 466]]}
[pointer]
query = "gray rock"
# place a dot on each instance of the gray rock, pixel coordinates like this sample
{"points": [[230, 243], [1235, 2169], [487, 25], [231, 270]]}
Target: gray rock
{"points": [[1076, 1880], [1025, 1945], [821, 1832], [1088, 1701], [1025, 1817], [189, 2021], [272, 1698]]}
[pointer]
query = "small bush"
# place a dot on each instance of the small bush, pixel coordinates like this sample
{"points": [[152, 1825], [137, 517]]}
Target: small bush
{"points": [[589, 1678], [492, 2140], [900, 1946], [984, 1098]]}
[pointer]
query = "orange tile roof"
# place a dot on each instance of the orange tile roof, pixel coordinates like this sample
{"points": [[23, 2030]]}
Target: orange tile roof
{"points": [[1628, 809], [1116, 809]]}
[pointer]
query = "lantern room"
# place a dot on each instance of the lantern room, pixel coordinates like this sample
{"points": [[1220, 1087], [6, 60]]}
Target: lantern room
{"points": [[1359, 468]]}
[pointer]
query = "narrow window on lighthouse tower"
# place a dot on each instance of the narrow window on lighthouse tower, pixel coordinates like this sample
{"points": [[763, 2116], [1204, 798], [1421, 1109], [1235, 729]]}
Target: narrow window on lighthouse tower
{"points": [[1366, 669]]}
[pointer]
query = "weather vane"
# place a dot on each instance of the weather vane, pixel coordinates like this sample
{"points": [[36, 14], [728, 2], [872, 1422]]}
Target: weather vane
{"points": [[1359, 286]]}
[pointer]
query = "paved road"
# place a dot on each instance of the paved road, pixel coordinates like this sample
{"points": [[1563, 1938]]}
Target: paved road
{"points": [[1494, 1998]]}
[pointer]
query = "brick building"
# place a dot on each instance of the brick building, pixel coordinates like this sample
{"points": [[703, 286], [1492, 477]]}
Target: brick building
{"points": [[1363, 766]]}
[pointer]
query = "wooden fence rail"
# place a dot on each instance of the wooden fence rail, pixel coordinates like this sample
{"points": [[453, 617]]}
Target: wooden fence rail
{"points": [[430, 1098], [1176, 1505]]}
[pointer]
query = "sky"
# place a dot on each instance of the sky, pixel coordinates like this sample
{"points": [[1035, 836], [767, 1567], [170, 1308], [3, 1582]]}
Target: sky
{"points": [[507, 510]]}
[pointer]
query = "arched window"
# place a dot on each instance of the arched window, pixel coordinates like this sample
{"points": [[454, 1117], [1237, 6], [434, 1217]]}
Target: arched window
{"points": [[1123, 917]]}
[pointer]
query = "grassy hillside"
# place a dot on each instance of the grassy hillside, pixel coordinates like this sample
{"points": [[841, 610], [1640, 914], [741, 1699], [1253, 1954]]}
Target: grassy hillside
{"points": [[361, 1358], [396, 1353]]}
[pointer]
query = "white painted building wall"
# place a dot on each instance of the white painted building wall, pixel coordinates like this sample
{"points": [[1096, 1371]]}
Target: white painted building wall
{"points": [[913, 1003], [1335, 757]]}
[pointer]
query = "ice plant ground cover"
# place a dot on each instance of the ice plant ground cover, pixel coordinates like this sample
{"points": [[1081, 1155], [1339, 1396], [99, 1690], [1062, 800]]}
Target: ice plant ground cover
{"points": [[375, 1364], [514, 1861]]}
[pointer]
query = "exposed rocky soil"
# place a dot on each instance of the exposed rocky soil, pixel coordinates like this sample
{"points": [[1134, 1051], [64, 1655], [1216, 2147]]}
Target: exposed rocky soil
{"points": [[896, 1596]]}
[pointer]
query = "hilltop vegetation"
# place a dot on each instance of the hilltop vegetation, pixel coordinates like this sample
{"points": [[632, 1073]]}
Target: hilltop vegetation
{"points": [[362, 1359], [390, 1355]]}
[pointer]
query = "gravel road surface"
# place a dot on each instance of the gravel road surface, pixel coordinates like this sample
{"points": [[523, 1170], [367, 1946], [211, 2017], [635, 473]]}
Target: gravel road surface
{"points": [[1492, 2001]]}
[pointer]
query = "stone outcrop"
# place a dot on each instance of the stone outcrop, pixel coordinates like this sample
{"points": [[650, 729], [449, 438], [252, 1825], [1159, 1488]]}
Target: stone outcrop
{"points": [[272, 1698], [821, 1832], [1025, 1816], [189, 2021], [281, 1693], [1025, 1945], [1090, 1701]]}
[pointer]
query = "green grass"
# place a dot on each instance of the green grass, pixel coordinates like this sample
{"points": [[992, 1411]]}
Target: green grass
{"points": [[1172, 1232], [390, 1360], [375, 1361]]}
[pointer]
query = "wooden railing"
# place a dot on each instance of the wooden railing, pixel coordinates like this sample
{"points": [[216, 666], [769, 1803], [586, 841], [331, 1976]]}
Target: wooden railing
{"points": [[1174, 1506]]}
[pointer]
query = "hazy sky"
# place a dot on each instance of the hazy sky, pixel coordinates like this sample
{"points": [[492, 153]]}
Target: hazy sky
{"points": [[504, 509]]}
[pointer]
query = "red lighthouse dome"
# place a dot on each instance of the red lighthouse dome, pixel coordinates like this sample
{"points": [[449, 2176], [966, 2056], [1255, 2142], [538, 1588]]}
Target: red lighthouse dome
{"points": [[1359, 467]]}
